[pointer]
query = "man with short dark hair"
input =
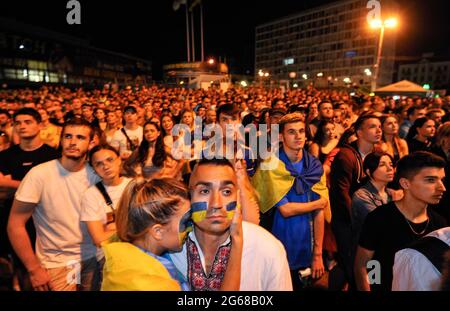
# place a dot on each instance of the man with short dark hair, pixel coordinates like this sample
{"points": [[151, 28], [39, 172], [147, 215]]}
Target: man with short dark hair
{"points": [[204, 258], [128, 138], [15, 163], [345, 178], [413, 113], [87, 113], [65, 257], [75, 111], [325, 114], [294, 193], [393, 226]]}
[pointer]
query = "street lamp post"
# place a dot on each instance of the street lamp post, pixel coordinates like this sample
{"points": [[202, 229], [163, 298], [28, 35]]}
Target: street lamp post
{"points": [[379, 24]]}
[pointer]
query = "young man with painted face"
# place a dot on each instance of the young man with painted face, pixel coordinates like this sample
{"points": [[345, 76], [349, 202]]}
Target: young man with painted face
{"points": [[65, 257], [205, 255], [395, 225], [291, 189]]}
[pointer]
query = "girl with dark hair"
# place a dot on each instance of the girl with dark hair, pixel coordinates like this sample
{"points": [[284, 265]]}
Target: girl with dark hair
{"points": [[324, 141], [420, 135], [391, 142], [99, 119], [379, 168], [151, 159]]}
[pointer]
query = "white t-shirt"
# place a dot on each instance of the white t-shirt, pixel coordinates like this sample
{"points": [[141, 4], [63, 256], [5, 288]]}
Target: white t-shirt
{"points": [[413, 271], [93, 205], [264, 265], [120, 141], [60, 236]]}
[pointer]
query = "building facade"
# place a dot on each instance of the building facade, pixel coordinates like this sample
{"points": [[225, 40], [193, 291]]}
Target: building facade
{"points": [[196, 74], [328, 45], [430, 70], [30, 55]]}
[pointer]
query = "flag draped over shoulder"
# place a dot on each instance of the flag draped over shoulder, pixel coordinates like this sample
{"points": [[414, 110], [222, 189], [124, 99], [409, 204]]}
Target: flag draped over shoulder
{"points": [[127, 268], [273, 184]]}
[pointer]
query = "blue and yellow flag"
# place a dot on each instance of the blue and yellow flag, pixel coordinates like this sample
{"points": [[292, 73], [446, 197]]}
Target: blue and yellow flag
{"points": [[274, 183]]}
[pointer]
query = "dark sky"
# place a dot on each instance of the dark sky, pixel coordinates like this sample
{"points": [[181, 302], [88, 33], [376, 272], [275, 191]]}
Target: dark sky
{"points": [[152, 30]]}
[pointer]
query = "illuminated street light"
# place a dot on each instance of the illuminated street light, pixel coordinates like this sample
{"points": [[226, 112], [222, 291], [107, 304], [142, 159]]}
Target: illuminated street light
{"points": [[295, 85], [244, 83], [21, 46], [211, 61], [261, 73], [181, 82], [320, 74], [376, 23], [390, 23], [292, 74], [379, 24], [347, 80], [266, 74], [368, 72], [305, 76]]}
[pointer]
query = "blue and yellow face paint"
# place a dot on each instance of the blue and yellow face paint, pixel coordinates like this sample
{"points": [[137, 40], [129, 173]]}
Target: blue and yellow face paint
{"points": [[185, 226], [199, 210]]}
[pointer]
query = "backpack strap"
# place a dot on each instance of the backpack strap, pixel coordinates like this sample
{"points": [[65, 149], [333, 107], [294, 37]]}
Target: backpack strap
{"points": [[432, 248], [110, 217], [132, 145], [105, 194]]}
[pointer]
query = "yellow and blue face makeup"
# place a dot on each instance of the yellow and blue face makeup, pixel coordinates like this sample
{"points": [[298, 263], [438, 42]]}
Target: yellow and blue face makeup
{"points": [[185, 226], [199, 210]]}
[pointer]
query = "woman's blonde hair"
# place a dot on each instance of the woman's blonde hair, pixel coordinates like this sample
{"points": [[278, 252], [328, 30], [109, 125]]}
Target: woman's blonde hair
{"points": [[145, 203]]}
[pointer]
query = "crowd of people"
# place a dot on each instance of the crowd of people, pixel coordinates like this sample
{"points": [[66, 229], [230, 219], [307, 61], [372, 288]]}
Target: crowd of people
{"points": [[101, 190]]}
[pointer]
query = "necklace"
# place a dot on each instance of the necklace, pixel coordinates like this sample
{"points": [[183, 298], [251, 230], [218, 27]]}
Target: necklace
{"points": [[409, 223], [414, 231]]}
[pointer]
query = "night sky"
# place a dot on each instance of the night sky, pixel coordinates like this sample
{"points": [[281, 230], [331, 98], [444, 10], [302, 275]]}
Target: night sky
{"points": [[154, 31]]}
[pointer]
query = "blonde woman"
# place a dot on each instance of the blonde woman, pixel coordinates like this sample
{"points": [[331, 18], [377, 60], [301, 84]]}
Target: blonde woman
{"points": [[153, 218]]}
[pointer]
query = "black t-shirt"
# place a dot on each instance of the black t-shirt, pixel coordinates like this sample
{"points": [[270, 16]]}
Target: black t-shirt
{"points": [[16, 162], [416, 145], [386, 231]]}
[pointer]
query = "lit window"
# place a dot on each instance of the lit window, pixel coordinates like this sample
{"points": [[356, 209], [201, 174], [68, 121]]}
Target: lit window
{"points": [[36, 75]]}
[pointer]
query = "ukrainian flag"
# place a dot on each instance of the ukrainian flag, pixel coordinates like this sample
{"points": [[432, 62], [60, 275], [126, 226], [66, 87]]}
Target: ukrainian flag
{"points": [[273, 183], [127, 268]]}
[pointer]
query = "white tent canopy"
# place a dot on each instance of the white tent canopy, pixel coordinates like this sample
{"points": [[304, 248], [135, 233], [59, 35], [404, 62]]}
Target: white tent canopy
{"points": [[402, 87]]}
